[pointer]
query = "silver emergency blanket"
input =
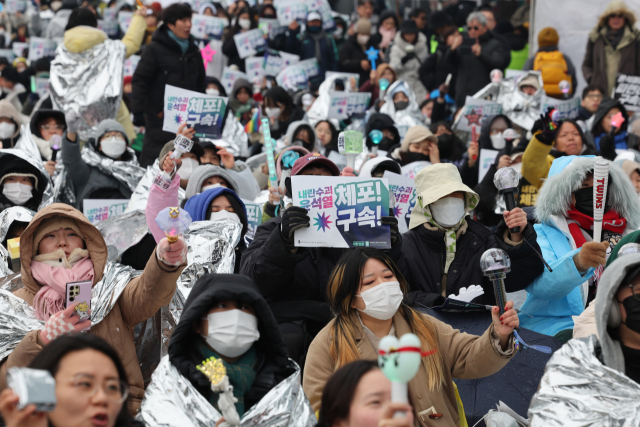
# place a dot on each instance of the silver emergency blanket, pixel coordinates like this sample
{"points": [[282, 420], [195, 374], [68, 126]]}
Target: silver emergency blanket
{"points": [[127, 172], [140, 194], [578, 390], [89, 83], [521, 108], [172, 401], [123, 231], [411, 115], [27, 144], [17, 318], [319, 110], [62, 190], [7, 217], [37, 163], [237, 140]]}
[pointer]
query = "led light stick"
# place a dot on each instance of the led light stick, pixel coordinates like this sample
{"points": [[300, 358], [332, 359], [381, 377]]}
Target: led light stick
{"points": [[506, 181], [376, 136], [616, 122], [372, 55], [399, 361], [215, 371], [496, 75], [565, 87], [55, 142], [174, 222], [600, 181], [350, 144], [181, 145], [474, 138], [509, 135], [269, 146]]}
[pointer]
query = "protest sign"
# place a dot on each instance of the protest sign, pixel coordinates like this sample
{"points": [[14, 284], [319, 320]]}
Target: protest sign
{"points": [[19, 47], [229, 77], [40, 85], [343, 105], [627, 91], [345, 212], [346, 77], [254, 218], [271, 27], [97, 210], [487, 157], [515, 74], [249, 43], [109, 22], [14, 6], [124, 19], [475, 111], [130, 65], [205, 27], [8, 53], [275, 61], [293, 78], [324, 9], [411, 170], [40, 48], [567, 108], [310, 67], [254, 67], [203, 112], [404, 190], [291, 10]]}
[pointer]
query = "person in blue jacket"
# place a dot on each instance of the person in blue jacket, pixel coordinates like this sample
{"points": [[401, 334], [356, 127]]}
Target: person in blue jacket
{"points": [[565, 234]]}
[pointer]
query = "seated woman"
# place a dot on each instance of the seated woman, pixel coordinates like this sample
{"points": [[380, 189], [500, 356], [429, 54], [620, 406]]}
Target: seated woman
{"points": [[327, 137], [91, 386], [279, 108], [605, 142], [419, 144], [226, 317], [43, 125], [301, 133], [565, 234], [60, 246], [365, 291], [383, 71], [21, 182]]}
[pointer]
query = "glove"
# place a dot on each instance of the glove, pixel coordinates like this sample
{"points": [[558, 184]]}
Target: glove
{"points": [[592, 255], [293, 219], [138, 119], [392, 222], [608, 147], [468, 294], [73, 121], [408, 57], [548, 134], [172, 254], [63, 322]]}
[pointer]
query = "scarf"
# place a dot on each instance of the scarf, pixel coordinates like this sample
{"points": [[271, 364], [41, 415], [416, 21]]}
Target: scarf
{"points": [[317, 37], [53, 271], [611, 221], [387, 37], [619, 140], [450, 234], [183, 43]]}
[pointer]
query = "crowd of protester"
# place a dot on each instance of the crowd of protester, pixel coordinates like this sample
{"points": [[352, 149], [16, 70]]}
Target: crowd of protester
{"points": [[277, 315]]}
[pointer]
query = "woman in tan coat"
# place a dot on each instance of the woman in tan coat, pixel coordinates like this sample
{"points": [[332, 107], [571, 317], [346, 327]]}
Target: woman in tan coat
{"points": [[60, 245], [366, 291]]}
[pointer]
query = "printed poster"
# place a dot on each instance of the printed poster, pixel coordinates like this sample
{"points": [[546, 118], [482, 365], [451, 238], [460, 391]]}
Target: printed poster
{"points": [[567, 108], [249, 43], [130, 65], [40, 85], [229, 77], [254, 218], [343, 105], [291, 10], [254, 67], [204, 112], [275, 61], [404, 190], [14, 6], [293, 78], [411, 170], [8, 53], [345, 212], [109, 22], [97, 210], [627, 91], [124, 19], [40, 48], [487, 158], [271, 27], [475, 111], [205, 27]]}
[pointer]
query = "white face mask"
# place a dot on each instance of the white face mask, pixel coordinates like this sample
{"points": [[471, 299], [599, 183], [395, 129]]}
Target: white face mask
{"points": [[220, 215], [7, 130], [337, 34], [209, 187], [232, 333], [245, 24], [498, 141], [362, 39], [213, 92], [382, 301], [19, 194], [113, 147], [188, 165], [447, 211], [273, 113]]}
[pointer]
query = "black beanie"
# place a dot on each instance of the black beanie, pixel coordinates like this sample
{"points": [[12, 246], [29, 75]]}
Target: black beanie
{"points": [[81, 16], [409, 27]]}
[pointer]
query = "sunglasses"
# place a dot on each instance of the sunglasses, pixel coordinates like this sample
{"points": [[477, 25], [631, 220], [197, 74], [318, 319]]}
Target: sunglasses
{"points": [[616, 15], [474, 28]]}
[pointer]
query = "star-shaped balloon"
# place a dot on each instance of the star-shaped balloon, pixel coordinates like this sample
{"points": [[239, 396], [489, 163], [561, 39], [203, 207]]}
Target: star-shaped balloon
{"points": [[207, 55], [372, 55]]}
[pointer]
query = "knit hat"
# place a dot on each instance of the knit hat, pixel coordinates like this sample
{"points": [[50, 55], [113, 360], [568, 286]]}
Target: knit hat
{"points": [[548, 37], [416, 134], [363, 26], [409, 27], [53, 223], [110, 125], [28, 175], [530, 80]]}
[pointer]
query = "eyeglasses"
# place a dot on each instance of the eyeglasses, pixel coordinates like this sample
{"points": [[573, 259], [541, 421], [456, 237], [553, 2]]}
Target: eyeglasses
{"points": [[115, 390], [636, 294], [54, 127], [474, 28]]}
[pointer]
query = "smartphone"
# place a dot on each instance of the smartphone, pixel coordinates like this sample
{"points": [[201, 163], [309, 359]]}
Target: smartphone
{"points": [[80, 292]]}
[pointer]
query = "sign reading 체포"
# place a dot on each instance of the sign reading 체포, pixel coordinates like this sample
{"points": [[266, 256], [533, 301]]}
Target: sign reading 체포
{"points": [[404, 190], [627, 91], [475, 111], [97, 210], [345, 212], [275, 61], [254, 218], [203, 112]]}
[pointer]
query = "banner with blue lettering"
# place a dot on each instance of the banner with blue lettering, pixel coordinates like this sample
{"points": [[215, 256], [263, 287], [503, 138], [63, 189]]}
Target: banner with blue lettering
{"points": [[203, 112]]}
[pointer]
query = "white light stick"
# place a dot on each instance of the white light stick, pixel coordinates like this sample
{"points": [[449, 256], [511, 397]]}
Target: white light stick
{"points": [[600, 182]]}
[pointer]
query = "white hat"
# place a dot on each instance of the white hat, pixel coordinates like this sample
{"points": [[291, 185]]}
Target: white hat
{"points": [[312, 16]]}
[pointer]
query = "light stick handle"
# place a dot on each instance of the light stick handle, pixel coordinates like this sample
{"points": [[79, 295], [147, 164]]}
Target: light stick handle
{"points": [[600, 182], [351, 160], [501, 294], [374, 150], [399, 394]]}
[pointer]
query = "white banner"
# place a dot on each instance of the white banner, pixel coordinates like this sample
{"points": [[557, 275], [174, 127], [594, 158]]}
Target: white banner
{"points": [[487, 157], [404, 190], [249, 43], [97, 210], [229, 77], [40, 48], [254, 66]]}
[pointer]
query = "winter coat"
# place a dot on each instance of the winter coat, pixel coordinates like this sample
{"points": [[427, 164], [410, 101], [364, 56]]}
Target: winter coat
{"points": [[464, 356], [242, 111], [623, 139], [297, 114], [473, 71], [90, 182], [350, 57], [304, 45], [602, 62], [142, 298], [272, 364], [409, 71], [434, 70], [8, 110], [553, 297], [163, 63], [230, 50]]}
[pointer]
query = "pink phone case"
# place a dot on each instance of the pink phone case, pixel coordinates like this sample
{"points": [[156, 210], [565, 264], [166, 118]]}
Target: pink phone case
{"points": [[80, 292]]}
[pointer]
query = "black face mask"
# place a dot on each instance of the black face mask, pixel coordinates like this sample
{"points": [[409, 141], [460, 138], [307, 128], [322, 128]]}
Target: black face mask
{"points": [[584, 201], [445, 145], [401, 105], [415, 157], [632, 307], [386, 143]]}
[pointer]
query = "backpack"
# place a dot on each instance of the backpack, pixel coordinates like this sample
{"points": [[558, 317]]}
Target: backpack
{"points": [[554, 69]]}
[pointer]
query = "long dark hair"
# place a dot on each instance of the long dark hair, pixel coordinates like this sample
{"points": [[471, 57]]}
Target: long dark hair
{"points": [[236, 25], [339, 391], [277, 94], [50, 357], [583, 138]]}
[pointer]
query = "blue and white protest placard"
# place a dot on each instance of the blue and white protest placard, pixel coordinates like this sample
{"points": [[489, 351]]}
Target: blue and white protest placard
{"points": [[40, 85], [19, 47], [203, 112], [293, 78], [14, 6], [358, 103], [310, 67], [404, 190], [8, 53], [254, 66], [345, 212], [291, 10], [249, 43], [271, 27], [567, 108], [411, 170], [487, 158], [230, 76], [109, 22], [350, 79], [130, 65], [205, 27], [254, 218], [124, 19], [97, 210], [343, 105], [40, 48], [474, 113], [275, 61]]}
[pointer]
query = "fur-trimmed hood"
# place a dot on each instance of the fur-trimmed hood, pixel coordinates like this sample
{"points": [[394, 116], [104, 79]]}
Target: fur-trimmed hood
{"points": [[566, 176]]}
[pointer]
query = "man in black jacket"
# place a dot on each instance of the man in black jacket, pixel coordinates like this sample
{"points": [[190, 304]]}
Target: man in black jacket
{"points": [[173, 59], [443, 246]]}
